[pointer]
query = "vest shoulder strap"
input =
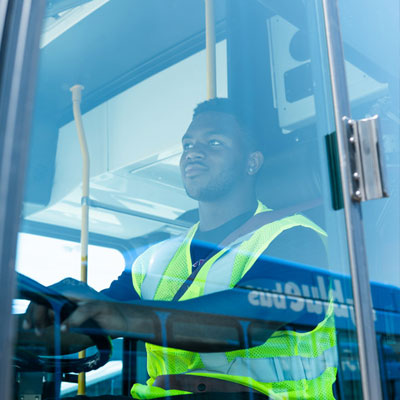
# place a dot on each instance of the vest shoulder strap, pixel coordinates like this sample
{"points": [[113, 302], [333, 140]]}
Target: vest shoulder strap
{"points": [[254, 223], [251, 225]]}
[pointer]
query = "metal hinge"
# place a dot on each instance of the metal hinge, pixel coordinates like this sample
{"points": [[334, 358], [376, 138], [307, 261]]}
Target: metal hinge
{"points": [[366, 163]]}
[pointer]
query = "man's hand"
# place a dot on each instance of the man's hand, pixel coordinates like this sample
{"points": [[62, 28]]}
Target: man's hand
{"points": [[37, 317], [37, 324], [36, 331], [106, 314]]}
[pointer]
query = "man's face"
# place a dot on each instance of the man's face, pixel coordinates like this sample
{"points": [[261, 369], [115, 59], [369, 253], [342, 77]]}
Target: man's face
{"points": [[214, 158]]}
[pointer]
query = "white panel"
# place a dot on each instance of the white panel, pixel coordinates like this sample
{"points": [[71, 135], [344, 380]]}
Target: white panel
{"points": [[281, 33], [292, 115], [153, 115]]}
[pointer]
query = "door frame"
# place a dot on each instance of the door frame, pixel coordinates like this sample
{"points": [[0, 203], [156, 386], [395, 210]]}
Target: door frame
{"points": [[366, 337], [20, 27]]}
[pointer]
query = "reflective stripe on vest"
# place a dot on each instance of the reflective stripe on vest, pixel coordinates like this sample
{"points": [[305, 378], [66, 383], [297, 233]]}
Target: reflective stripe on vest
{"points": [[150, 267], [272, 369], [285, 356]]}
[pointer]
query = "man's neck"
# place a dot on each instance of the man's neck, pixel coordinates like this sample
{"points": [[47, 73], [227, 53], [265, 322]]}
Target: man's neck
{"points": [[216, 213]]}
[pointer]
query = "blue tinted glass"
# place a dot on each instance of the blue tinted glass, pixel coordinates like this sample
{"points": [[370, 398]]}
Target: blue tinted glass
{"points": [[371, 34], [271, 311]]}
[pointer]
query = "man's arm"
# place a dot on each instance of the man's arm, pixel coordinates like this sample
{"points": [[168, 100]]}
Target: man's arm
{"points": [[209, 323], [121, 289], [217, 322], [213, 322]]}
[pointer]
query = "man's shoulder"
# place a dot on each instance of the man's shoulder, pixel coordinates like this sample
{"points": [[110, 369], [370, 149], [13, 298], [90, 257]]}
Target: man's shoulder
{"points": [[299, 244]]}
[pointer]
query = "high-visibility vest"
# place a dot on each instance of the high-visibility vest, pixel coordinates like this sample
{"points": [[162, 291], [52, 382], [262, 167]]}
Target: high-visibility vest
{"points": [[289, 365]]}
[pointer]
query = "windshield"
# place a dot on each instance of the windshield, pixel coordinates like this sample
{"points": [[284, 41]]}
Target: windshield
{"points": [[204, 219]]}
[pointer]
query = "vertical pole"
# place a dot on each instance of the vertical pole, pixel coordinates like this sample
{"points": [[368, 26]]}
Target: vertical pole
{"points": [[368, 353], [210, 51], [76, 101]]}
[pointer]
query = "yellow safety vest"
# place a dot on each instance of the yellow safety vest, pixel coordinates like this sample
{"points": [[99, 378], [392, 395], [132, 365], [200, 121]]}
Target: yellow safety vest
{"points": [[289, 365]]}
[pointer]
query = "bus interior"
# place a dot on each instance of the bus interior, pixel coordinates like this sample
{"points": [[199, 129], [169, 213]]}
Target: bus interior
{"points": [[143, 68]]}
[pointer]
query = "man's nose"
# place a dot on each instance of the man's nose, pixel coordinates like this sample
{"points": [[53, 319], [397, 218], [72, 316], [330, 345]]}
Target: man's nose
{"points": [[196, 152]]}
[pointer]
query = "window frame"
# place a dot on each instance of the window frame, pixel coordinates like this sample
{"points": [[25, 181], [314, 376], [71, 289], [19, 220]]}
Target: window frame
{"points": [[20, 28]]}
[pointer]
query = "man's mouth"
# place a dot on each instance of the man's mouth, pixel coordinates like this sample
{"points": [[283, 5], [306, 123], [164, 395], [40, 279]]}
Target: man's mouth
{"points": [[194, 169]]}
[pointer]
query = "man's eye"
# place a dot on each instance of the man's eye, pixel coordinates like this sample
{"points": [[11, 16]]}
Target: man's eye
{"points": [[187, 146], [215, 142]]}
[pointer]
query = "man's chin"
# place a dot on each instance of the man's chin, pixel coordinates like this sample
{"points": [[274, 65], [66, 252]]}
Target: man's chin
{"points": [[193, 194], [204, 195]]}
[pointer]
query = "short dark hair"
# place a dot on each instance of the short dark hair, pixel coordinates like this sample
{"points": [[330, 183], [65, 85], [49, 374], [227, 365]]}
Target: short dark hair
{"points": [[227, 106]]}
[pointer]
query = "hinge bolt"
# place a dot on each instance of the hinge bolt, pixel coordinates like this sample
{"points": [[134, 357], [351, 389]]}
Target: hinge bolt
{"points": [[356, 175], [351, 139], [357, 195]]}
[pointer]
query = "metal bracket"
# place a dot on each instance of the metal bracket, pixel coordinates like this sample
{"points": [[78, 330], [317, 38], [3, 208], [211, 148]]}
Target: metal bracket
{"points": [[367, 168], [30, 385]]}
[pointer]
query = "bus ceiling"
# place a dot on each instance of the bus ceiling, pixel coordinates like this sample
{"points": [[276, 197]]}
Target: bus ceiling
{"points": [[133, 49]]}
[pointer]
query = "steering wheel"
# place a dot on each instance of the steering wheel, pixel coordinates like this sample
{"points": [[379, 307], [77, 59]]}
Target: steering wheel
{"points": [[31, 290]]}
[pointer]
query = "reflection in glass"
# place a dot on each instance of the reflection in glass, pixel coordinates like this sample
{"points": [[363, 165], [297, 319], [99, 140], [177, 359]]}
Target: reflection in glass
{"points": [[371, 41], [256, 297]]}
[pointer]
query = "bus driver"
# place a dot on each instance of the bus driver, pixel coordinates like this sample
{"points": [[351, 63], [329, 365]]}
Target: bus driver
{"points": [[219, 165]]}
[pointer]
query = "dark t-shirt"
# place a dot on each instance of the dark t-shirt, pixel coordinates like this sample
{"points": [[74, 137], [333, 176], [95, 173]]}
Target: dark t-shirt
{"points": [[205, 243], [298, 244]]}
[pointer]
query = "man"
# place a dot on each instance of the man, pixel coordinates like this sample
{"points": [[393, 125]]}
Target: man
{"points": [[219, 165]]}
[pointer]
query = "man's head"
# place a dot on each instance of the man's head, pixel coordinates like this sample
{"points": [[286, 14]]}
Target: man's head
{"points": [[220, 153]]}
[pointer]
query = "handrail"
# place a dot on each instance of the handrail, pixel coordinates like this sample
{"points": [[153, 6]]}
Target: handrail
{"points": [[76, 101], [140, 214], [210, 50]]}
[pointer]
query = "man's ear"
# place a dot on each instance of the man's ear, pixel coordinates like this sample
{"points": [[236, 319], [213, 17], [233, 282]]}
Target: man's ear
{"points": [[254, 162]]}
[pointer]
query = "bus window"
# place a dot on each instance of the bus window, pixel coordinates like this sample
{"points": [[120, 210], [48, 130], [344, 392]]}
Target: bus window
{"points": [[47, 259], [217, 262]]}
